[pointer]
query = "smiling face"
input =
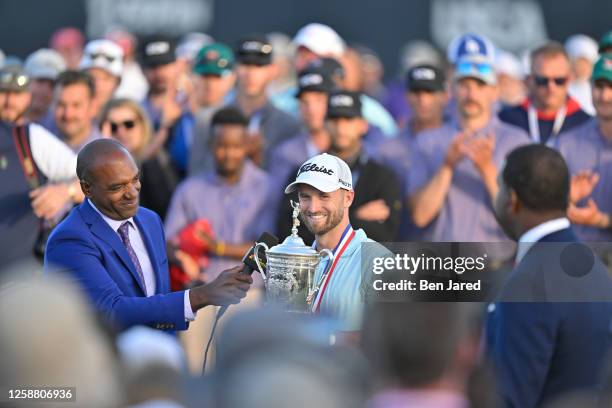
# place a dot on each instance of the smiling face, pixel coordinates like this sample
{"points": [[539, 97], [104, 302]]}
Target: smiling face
{"points": [[322, 212], [113, 185]]}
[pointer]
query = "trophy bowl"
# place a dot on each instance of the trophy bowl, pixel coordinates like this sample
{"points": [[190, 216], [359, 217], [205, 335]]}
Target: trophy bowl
{"points": [[289, 271]]}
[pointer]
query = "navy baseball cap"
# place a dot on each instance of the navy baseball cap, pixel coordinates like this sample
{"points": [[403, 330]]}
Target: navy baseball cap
{"points": [[254, 50], [425, 78], [314, 79], [157, 51], [344, 104]]}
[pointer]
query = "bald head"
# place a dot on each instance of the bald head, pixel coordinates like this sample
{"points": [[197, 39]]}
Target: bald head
{"points": [[96, 152], [110, 178]]}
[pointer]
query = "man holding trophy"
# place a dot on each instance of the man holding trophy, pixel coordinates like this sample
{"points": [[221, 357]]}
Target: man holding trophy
{"points": [[325, 192]]}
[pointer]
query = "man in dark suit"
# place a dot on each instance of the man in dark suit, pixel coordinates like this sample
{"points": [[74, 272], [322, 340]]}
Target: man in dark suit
{"points": [[116, 250], [553, 335]]}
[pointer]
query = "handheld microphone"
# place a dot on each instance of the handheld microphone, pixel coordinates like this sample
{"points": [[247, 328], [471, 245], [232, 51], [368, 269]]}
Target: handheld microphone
{"points": [[249, 260]]}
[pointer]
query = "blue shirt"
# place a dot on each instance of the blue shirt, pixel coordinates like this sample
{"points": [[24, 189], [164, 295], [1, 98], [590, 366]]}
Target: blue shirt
{"points": [[467, 214], [585, 148], [181, 135], [345, 296], [238, 213]]}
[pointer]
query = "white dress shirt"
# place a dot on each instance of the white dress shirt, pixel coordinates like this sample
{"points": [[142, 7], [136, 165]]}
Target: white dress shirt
{"points": [[537, 233], [143, 257]]}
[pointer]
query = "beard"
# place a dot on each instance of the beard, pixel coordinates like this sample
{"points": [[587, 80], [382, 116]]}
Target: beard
{"points": [[331, 221]]}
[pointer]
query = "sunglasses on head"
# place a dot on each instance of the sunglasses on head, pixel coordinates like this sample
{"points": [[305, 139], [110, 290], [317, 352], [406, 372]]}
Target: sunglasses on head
{"points": [[544, 81], [468, 67], [108, 58], [128, 124]]}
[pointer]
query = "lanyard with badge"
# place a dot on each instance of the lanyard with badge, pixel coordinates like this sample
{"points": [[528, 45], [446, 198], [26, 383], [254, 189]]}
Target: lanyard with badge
{"points": [[317, 295], [534, 127]]}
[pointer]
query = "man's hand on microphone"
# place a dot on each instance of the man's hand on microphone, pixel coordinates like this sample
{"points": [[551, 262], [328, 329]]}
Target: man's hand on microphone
{"points": [[227, 289]]}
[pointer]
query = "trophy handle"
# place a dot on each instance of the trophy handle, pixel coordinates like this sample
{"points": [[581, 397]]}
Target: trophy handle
{"points": [[259, 267]]}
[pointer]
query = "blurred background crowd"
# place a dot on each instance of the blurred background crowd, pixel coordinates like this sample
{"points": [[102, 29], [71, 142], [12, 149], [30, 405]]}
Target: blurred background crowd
{"points": [[179, 102]]}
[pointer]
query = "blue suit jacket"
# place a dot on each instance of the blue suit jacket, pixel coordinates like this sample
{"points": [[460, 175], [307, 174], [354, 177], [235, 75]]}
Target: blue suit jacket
{"points": [[544, 349], [87, 248]]}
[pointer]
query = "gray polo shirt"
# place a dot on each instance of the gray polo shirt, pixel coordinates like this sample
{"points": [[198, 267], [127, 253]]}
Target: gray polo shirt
{"points": [[237, 212], [467, 214], [585, 148]]}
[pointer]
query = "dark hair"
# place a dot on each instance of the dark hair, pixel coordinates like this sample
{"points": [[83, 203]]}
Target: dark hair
{"points": [[92, 152], [539, 176], [229, 115], [72, 77]]}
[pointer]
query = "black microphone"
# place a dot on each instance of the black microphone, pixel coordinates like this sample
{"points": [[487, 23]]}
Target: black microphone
{"points": [[249, 260]]}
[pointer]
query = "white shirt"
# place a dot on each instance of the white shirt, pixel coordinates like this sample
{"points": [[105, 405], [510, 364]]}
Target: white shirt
{"points": [[52, 156], [537, 233], [143, 257]]}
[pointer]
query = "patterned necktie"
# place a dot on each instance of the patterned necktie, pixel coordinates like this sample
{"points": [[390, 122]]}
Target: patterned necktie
{"points": [[125, 237]]}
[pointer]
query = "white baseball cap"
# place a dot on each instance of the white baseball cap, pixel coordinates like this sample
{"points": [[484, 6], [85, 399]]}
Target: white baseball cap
{"points": [[324, 172], [103, 54], [508, 64], [320, 39], [582, 46], [44, 64]]}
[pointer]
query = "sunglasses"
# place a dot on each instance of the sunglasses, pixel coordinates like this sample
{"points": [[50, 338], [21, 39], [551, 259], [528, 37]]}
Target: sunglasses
{"points": [[469, 67], [128, 124], [544, 81], [108, 58]]}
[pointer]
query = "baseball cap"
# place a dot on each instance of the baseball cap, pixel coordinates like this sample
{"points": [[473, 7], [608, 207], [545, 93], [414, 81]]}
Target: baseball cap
{"points": [[44, 64], [425, 77], [324, 172], [254, 50], [214, 59], [191, 43], [605, 41], [13, 78], [320, 39], [103, 54], [603, 68], [314, 79], [470, 44], [581, 46], [157, 51], [475, 66], [344, 104], [509, 64], [330, 66]]}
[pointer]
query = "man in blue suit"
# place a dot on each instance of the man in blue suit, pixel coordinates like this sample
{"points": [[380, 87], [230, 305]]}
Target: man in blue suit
{"points": [[116, 250], [551, 331]]}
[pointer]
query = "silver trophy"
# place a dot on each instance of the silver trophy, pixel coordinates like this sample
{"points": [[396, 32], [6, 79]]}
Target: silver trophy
{"points": [[289, 272]]}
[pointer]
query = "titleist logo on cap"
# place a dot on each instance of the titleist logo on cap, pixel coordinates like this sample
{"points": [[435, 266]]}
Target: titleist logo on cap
{"points": [[311, 79], [427, 74], [157, 48], [314, 167], [341, 101]]}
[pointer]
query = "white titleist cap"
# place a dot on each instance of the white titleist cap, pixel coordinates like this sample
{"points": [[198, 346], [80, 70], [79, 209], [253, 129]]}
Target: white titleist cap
{"points": [[324, 172]]}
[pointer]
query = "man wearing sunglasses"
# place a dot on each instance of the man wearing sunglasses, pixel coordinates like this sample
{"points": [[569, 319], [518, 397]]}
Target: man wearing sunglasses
{"points": [[549, 110], [453, 173], [103, 60], [588, 152]]}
